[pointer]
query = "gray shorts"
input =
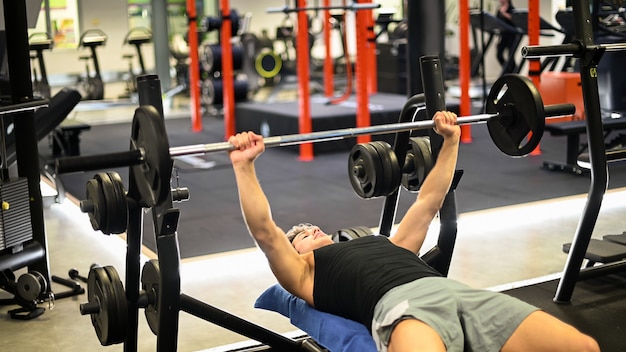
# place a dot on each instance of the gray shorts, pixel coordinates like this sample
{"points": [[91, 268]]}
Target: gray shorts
{"points": [[467, 319]]}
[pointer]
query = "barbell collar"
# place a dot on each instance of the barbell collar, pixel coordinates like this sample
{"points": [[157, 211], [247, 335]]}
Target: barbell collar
{"points": [[98, 162], [533, 52]]}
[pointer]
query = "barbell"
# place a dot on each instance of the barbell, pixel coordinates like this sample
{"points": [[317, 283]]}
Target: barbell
{"points": [[515, 116]]}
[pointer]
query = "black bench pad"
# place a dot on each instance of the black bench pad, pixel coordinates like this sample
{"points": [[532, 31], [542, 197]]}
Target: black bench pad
{"points": [[620, 239], [601, 251]]}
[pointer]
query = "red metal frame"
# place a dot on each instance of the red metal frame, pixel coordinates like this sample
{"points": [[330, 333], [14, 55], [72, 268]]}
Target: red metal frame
{"points": [[194, 67], [304, 99], [534, 65], [464, 69], [227, 70], [329, 84], [362, 67]]}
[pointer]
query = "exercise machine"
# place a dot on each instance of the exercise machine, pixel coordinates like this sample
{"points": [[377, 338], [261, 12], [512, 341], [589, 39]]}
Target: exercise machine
{"points": [[92, 85], [136, 37], [38, 42]]}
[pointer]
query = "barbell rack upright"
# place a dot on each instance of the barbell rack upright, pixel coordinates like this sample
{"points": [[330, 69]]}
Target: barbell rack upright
{"points": [[589, 55]]}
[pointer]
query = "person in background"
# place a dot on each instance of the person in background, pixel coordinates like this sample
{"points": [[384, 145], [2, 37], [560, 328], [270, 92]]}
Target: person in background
{"points": [[506, 45]]}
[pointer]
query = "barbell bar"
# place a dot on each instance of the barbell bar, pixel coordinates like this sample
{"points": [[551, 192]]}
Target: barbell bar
{"points": [[332, 135], [515, 117], [353, 6], [326, 136], [134, 157]]}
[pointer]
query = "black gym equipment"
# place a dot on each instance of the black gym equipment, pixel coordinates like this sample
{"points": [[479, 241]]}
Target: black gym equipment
{"points": [[92, 85], [493, 27], [589, 54], [114, 308], [520, 18], [351, 233], [136, 37], [38, 42]]}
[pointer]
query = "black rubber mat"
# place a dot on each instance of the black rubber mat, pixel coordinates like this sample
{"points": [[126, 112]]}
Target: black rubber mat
{"points": [[597, 308]]}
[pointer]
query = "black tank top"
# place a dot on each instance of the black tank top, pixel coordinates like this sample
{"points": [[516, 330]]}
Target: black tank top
{"points": [[350, 277]]}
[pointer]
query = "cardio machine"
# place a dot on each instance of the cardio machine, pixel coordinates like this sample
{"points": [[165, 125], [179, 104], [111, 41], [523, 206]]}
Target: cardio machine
{"points": [[92, 86], [37, 43], [136, 37]]}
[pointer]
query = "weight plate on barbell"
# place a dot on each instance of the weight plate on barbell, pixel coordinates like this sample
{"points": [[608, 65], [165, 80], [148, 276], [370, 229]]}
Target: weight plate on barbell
{"points": [[519, 126], [105, 289], [365, 170], [119, 221], [351, 233], [419, 162], [391, 168], [150, 281], [152, 175], [106, 186], [94, 204]]}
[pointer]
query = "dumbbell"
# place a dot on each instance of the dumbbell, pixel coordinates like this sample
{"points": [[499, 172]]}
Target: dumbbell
{"points": [[75, 275]]}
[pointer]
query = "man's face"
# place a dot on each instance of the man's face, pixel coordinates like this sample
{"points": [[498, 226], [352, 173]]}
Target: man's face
{"points": [[309, 237]]}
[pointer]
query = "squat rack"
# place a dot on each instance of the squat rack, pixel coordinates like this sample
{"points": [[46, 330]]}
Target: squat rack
{"points": [[589, 54], [364, 61]]}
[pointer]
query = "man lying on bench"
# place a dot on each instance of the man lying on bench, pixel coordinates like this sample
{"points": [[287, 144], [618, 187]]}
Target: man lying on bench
{"points": [[381, 283]]}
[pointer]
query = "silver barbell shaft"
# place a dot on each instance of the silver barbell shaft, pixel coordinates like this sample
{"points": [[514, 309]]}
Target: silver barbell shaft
{"points": [[350, 7], [325, 136]]}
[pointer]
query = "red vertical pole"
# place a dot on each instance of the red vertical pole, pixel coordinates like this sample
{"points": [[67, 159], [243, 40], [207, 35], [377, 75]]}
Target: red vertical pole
{"points": [[227, 70], [329, 84], [362, 98], [302, 62], [194, 67], [534, 65], [372, 81], [464, 69]]}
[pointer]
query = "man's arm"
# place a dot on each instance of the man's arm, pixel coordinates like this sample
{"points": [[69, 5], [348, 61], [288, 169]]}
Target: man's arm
{"points": [[291, 270], [414, 225]]}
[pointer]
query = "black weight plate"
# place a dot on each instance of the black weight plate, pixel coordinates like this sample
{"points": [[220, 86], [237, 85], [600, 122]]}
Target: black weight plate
{"points": [[390, 167], [109, 201], [31, 285], [118, 333], [150, 281], [364, 170], [351, 233], [520, 111], [119, 221], [97, 213], [421, 162], [152, 176], [362, 231], [100, 291]]}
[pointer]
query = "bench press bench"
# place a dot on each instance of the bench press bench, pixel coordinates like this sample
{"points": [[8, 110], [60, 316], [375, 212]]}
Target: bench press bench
{"points": [[573, 130], [611, 248]]}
